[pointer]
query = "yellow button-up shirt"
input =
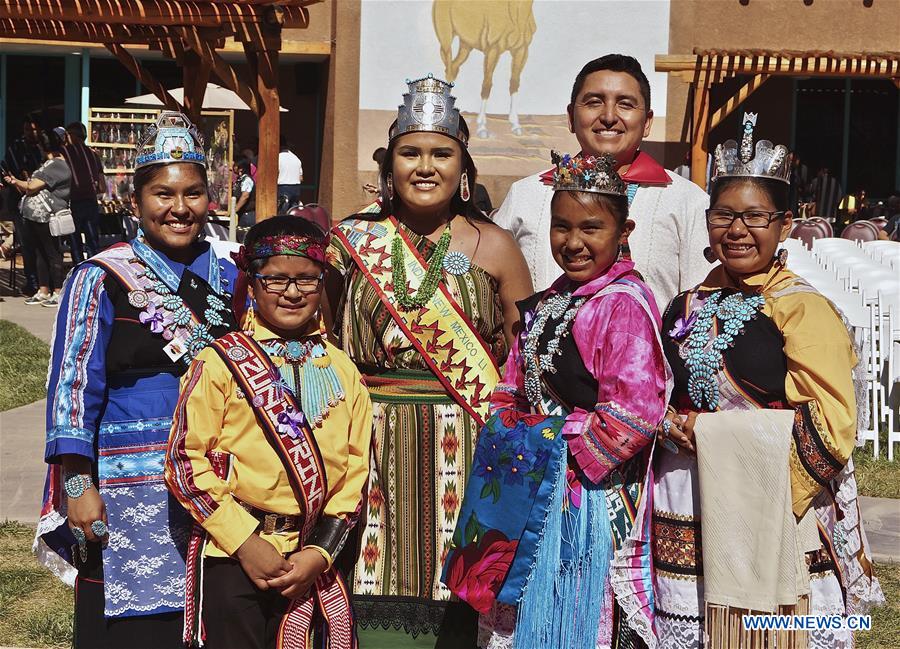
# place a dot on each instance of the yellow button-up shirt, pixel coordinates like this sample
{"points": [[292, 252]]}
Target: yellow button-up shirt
{"points": [[214, 417]]}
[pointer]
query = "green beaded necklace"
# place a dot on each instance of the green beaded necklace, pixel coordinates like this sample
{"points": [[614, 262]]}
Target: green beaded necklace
{"points": [[432, 275]]}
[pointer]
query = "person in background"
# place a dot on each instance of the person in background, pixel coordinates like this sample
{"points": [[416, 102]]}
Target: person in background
{"points": [[826, 192], [891, 231], [46, 192], [23, 156], [249, 152], [378, 157], [609, 112], [290, 175], [800, 184], [87, 182], [245, 190]]}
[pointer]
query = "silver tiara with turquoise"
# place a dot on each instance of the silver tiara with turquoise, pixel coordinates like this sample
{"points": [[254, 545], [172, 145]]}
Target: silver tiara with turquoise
{"points": [[765, 160], [429, 107], [595, 174], [172, 139]]}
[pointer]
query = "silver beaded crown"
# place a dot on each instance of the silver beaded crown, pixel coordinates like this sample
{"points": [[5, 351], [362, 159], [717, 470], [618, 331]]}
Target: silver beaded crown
{"points": [[172, 139], [595, 174], [770, 161], [429, 106]]}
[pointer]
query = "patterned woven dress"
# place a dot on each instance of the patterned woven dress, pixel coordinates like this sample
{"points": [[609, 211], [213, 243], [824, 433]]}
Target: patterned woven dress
{"points": [[423, 444]]}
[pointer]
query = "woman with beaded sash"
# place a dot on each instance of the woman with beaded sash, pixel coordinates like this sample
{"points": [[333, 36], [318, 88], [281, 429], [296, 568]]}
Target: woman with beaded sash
{"points": [[131, 319], [763, 409], [425, 299], [551, 545]]}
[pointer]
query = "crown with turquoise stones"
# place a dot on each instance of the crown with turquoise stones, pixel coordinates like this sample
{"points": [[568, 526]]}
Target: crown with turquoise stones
{"points": [[429, 107], [595, 174], [172, 139], [763, 161]]}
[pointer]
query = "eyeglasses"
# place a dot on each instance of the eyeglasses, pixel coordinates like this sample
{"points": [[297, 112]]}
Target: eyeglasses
{"points": [[719, 217], [280, 283]]}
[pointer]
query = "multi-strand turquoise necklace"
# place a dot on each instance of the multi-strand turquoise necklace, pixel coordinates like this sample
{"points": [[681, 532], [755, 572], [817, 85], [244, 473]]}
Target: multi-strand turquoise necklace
{"points": [[455, 263]]}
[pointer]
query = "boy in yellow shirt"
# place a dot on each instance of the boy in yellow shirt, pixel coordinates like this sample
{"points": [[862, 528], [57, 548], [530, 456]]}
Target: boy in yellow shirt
{"points": [[269, 453]]}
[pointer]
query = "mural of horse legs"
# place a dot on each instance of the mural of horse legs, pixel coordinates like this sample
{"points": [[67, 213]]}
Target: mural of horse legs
{"points": [[492, 27]]}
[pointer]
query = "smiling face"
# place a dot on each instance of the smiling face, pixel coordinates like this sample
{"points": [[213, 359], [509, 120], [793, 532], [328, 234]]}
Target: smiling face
{"points": [[173, 207], [609, 115], [289, 313], [584, 235], [426, 170], [745, 251]]}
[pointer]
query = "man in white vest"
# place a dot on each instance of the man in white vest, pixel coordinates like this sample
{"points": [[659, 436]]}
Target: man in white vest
{"points": [[610, 113]]}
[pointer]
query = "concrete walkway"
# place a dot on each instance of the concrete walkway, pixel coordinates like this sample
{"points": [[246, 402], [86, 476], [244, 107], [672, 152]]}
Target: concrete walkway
{"points": [[36, 319]]}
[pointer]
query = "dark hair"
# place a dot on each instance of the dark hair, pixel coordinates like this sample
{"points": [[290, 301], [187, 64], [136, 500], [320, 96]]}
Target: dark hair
{"points": [[78, 129], [777, 191], [278, 226], [457, 206], [147, 174], [53, 142], [243, 164], [614, 63], [378, 155], [615, 205], [283, 143]]}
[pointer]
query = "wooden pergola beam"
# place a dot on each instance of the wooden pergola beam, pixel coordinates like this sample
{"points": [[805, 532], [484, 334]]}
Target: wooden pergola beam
{"points": [[700, 123], [139, 73], [737, 99], [264, 67], [226, 73], [86, 32], [810, 66]]}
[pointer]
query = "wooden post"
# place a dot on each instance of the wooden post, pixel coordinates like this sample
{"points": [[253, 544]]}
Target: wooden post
{"points": [[700, 131], [264, 66], [195, 76]]}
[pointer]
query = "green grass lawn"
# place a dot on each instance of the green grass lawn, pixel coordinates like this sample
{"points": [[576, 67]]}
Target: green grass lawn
{"points": [[23, 366], [36, 608], [877, 477]]}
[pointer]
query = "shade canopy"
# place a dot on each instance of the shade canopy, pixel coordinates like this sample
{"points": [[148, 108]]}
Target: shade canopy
{"points": [[214, 98]]}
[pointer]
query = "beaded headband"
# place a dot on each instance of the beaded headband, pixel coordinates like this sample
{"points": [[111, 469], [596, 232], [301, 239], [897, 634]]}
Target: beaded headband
{"points": [[293, 245], [595, 174], [172, 139], [769, 162], [429, 106]]}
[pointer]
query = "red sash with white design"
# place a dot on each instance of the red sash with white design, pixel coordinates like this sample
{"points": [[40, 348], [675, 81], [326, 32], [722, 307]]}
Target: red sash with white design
{"points": [[257, 378], [440, 330]]}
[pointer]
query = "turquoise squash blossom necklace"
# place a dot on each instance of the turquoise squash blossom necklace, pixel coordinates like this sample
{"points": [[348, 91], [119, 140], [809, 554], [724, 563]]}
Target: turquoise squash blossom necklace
{"points": [[703, 357], [432, 274]]}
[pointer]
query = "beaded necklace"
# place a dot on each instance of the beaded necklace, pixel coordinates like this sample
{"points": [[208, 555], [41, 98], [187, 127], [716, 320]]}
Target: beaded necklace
{"points": [[432, 274], [308, 374], [558, 306], [703, 356], [168, 312]]}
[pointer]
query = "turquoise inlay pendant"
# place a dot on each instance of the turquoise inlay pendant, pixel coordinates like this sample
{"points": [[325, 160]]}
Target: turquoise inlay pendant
{"points": [[457, 263]]}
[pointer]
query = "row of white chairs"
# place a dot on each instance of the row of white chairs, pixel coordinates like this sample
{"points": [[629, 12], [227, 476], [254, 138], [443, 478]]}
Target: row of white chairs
{"points": [[863, 281]]}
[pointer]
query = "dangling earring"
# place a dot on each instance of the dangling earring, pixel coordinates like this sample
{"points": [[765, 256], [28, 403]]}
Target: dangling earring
{"points": [[620, 253], [708, 254], [464, 187], [390, 185], [250, 319], [781, 257]]}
